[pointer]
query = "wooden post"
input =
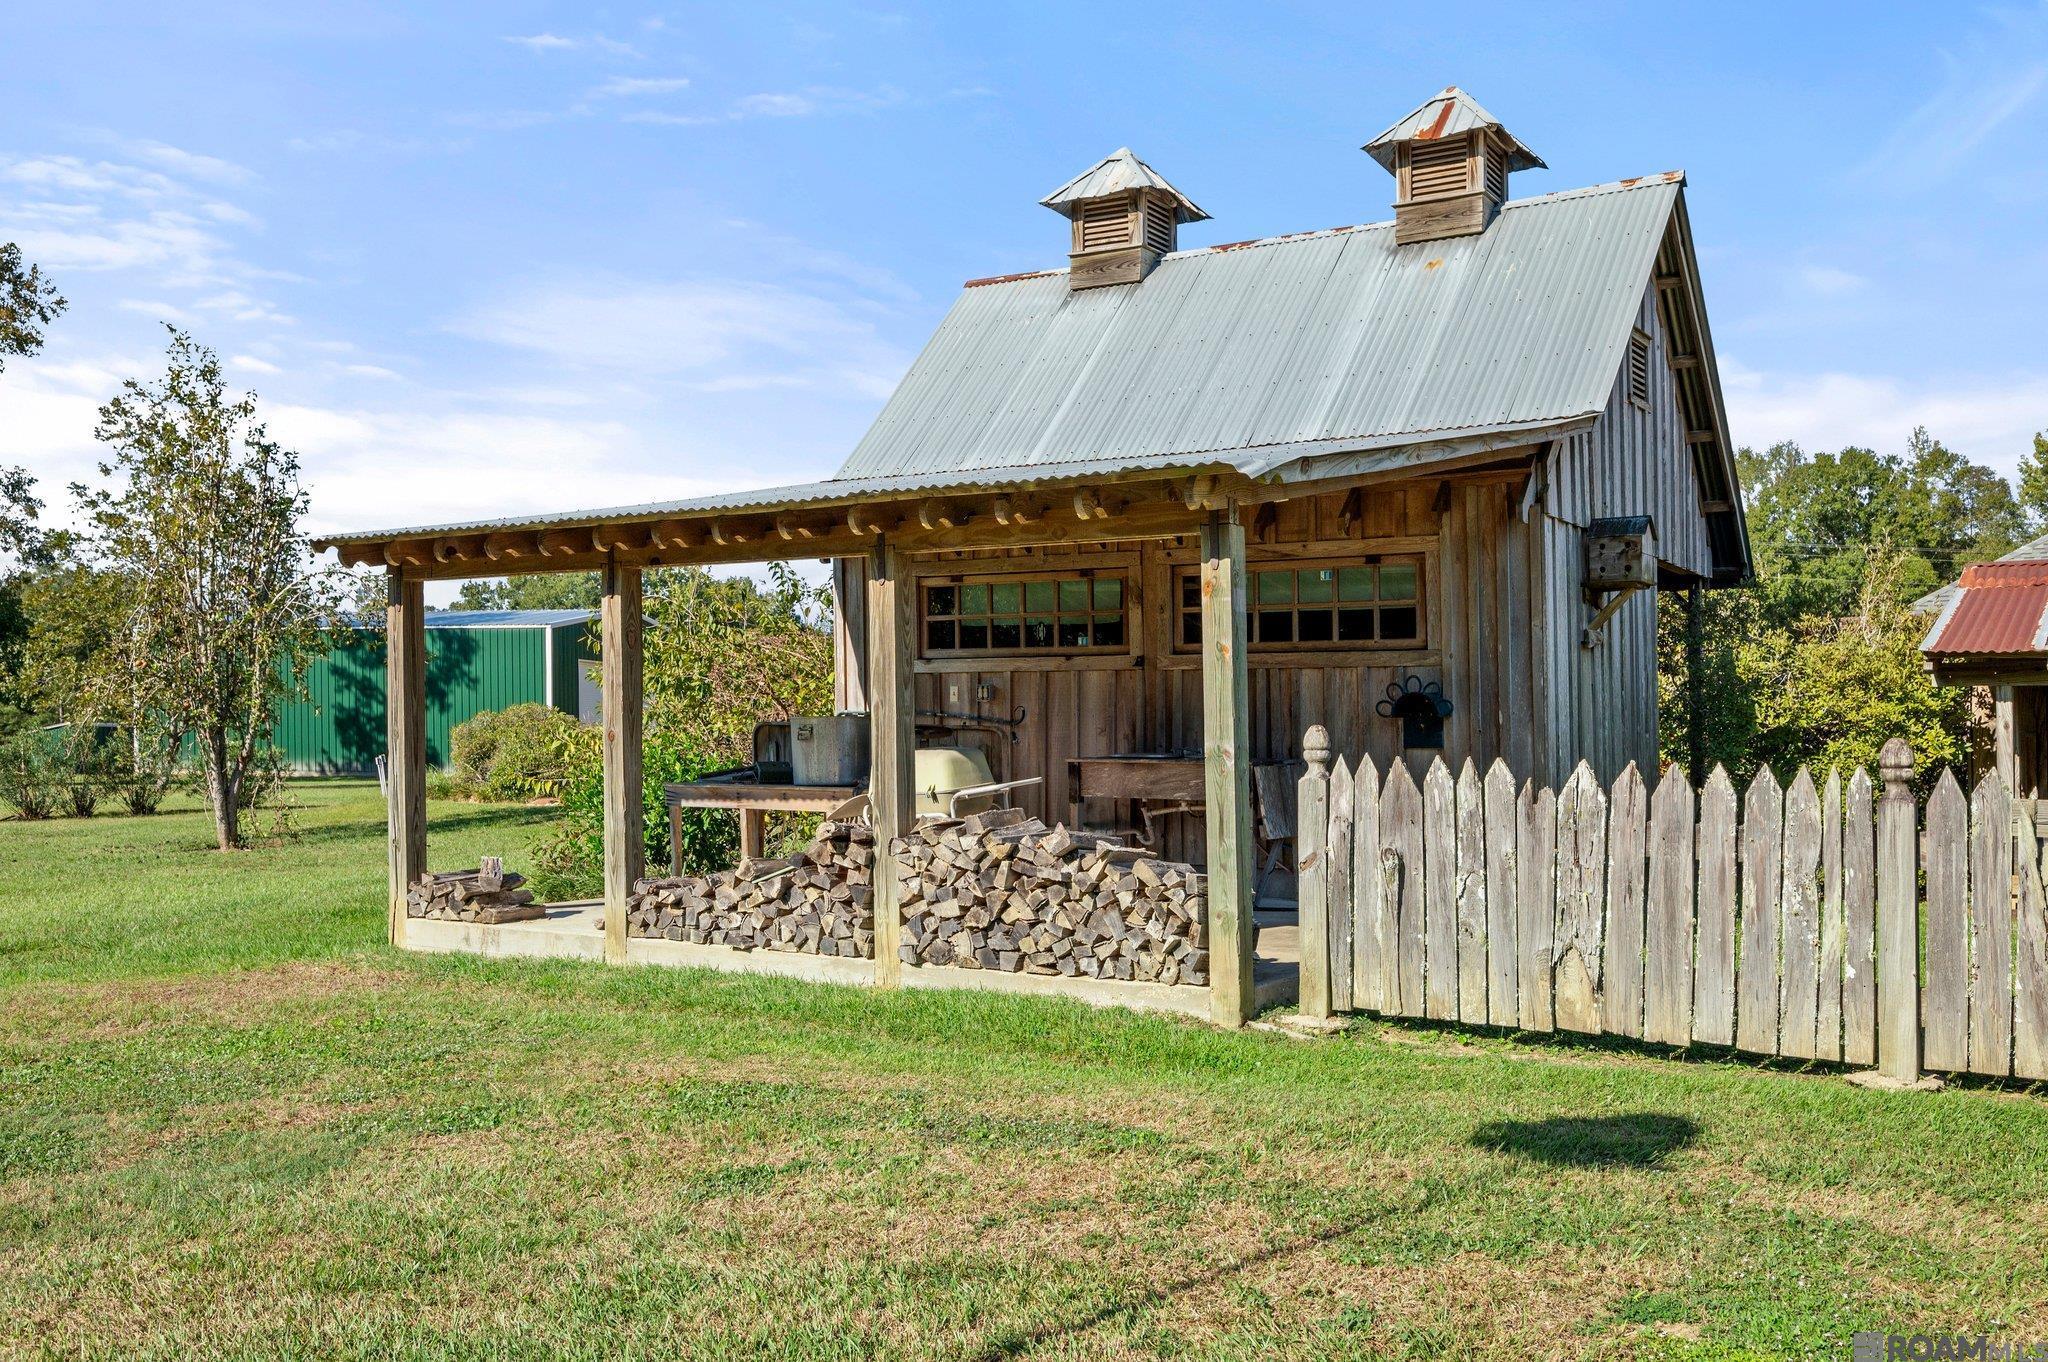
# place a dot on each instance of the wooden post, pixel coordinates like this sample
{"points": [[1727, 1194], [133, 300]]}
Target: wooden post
{"points": [[1695, 684], [1312, 852], [1226, 734], [753, 834], [405, 717], [1898, 920], [625, 837], [892, 726], [850, 634]]}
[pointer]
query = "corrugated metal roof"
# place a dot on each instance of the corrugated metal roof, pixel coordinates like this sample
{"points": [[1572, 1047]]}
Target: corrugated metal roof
{"points": [[1326, 336], [1446, 114], [1254, 357], [2034, 550], [1118, 173], [1999, 607]]}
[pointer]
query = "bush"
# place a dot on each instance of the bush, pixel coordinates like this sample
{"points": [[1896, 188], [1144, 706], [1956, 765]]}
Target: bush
{"points": [[31, 774], [524, 752], [569, 859]]}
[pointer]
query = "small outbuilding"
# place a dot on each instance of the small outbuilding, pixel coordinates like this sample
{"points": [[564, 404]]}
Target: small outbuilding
{"points": [[1147, 518], [477, 660], [1990, 629]]}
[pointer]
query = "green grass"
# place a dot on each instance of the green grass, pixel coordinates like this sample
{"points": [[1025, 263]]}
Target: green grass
{"points": [[233, 1124]]}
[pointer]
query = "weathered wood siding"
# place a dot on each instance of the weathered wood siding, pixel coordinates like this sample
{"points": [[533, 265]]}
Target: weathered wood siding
{"points": [[1635, 461]]}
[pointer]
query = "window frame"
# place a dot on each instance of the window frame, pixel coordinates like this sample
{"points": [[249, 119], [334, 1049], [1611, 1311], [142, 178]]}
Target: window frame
{"points": [[1022, 578], [1181, 611]]}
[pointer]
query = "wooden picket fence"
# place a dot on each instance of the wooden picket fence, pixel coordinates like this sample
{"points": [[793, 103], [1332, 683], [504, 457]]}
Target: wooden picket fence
{"points": [[1789, 922]]}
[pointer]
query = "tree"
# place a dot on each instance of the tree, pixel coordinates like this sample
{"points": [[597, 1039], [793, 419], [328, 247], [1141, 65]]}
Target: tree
{"points": [[2034, 484], [541, 591], [29, 302], [201, 520]]}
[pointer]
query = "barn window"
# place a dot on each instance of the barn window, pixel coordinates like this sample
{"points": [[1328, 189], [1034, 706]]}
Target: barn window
{"points": [[1373, 604], [1639, 370], [1021, 615]]}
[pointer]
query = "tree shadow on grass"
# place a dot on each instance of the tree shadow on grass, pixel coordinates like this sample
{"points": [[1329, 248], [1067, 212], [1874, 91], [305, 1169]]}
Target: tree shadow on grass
{"points": [[1642, 1139]]}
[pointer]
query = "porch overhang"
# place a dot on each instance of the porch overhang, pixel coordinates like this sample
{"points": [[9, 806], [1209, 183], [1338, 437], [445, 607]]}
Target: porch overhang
{"points": [[967, 509]]}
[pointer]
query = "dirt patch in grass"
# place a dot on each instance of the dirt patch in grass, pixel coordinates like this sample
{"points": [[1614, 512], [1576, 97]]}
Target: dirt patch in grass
{"points": [[128, 1007]]}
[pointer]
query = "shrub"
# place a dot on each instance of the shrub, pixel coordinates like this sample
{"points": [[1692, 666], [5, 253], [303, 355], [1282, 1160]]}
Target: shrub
{"points": [[569, 858], [524, 752], [31, 774]]}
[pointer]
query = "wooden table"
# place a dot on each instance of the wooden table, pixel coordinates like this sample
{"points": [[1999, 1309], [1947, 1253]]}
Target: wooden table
{"points": [[1174, 780], [754, 800]]}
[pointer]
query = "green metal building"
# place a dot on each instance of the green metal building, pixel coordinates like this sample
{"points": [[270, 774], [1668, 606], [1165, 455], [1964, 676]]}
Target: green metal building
{"points": [[477, 660]]}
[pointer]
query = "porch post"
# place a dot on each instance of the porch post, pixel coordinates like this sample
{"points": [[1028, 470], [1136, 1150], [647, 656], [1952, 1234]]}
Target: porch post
{"points": [[405, 739], [892, 728], [1695, 685], [1226, 747], [850, 634], [625, 836]]}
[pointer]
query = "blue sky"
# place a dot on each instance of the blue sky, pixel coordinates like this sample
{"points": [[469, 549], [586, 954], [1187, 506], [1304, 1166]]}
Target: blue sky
{"points": [[485, 259]]}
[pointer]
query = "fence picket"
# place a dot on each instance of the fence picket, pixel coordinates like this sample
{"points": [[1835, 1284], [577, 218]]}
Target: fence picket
{"points": [[2030, 983], [1859, 922], [1945, 971], [1991, 927], [1827, 1036], [1713, 986], [1535, 903], [1337, 887], [1401, 885], [1439, 893], [1668, 945], [1471, 892], [1503, 1006], [1581, 885], [1799, 921], [1756, 1007], [1368, 928], [1621, 1003]]}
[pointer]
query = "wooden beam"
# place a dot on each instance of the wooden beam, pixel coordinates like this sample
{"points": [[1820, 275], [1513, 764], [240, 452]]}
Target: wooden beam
{"points": [[458, 548], [1685, 361], [892, 797], [1011, 510], [1701, 437], [408, 553], [1898, 919], [850, 635], [1226, 753], [936, 513], [790, 528], [405, 746], [510, 546], [674, 534], [624, 538], [563, 543], [622, 624]]}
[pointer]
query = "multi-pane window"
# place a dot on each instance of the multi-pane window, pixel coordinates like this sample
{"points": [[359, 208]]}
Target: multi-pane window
{"points": [[1335, 605], [1025, 615]]}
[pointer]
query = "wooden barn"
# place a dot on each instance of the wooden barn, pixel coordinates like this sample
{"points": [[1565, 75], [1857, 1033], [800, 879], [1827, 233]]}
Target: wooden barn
{"points": [[1137, 523]]}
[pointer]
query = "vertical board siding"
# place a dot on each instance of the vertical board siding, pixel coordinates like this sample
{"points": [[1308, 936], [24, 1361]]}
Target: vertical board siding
{"points": [[1663, 915]]}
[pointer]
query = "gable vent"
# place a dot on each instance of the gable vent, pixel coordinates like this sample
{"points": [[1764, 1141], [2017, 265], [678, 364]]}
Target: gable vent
{"points": [[1103, 224], [1639, 370]]}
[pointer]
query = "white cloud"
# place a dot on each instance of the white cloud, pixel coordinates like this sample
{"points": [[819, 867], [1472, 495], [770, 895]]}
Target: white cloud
{"points": [[1830, 281], [191, 165], [251, 364], [701, 331], [804, 103], [544, 42], [369, 371], [633, 87], [1991, 420], [775, 106], [1997, 73]]}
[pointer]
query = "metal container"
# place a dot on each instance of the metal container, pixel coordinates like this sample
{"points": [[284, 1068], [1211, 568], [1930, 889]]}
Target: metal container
{"points": [[771, 753], [830, 749]]}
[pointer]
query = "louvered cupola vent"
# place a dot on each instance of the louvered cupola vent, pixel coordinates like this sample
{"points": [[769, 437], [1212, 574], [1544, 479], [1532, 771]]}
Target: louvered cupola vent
{"points": [[1125, 216], [1450, 160]]}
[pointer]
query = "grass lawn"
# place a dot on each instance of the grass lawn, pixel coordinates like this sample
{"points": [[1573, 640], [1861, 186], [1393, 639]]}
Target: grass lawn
{"points": [[234, 1124]]}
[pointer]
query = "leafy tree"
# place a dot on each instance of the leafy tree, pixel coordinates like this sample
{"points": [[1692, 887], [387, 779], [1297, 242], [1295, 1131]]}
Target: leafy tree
{"points": [[542, 591], [2034, 484], [29, 302], [202, 522]]}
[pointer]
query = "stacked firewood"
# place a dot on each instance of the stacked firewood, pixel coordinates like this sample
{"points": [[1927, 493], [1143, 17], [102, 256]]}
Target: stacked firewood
{"points": [[1001, 891], [486, 894], [815, 902]]}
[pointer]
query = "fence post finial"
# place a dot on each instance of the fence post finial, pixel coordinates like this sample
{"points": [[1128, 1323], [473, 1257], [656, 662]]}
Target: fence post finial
{"points": [[1898, 919], [1315, 747], [1312, 852]]}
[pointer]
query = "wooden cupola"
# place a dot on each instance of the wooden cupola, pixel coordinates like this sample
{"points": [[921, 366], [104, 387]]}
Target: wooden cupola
{"points": [[1450, 160], [1125, 217]]}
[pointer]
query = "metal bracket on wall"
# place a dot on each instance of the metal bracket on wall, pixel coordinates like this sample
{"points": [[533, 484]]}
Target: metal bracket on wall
{"points": [[1593, 636]]}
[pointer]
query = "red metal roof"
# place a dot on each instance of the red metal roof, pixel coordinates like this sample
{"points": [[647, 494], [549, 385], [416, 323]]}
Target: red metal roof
{"points": [[1999, 609]]}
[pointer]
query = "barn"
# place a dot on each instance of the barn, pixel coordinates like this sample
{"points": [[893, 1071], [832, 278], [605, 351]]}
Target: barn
{"points": [[1147, 518], [477, 660]]}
